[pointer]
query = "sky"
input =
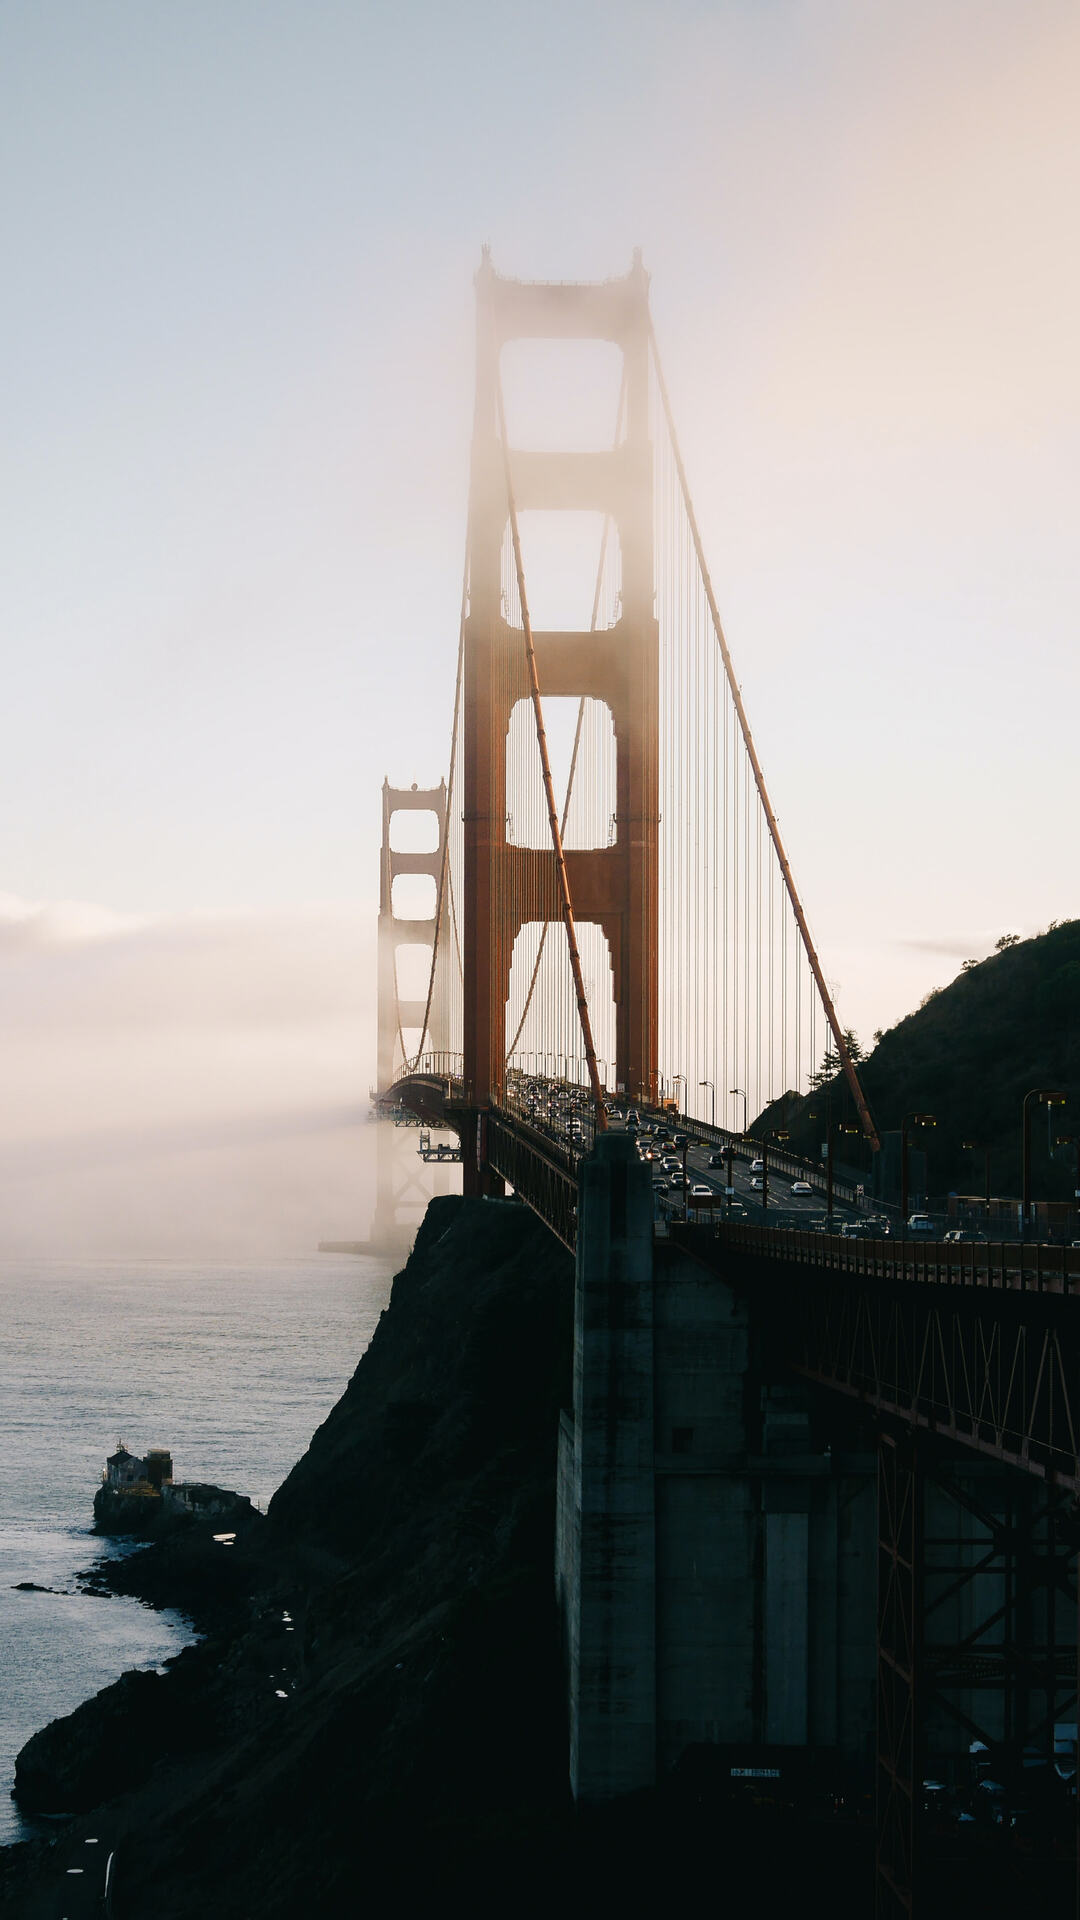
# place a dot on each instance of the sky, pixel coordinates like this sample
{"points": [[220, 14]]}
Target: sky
{"points": [[236, 327]]}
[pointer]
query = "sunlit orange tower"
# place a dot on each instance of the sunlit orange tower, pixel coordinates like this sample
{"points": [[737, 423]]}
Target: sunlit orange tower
{"points": [[507, 886]]}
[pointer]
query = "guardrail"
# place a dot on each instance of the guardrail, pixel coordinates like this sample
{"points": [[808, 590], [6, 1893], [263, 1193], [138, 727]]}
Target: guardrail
{"points": [[543, 1175], [1010, 1266]]}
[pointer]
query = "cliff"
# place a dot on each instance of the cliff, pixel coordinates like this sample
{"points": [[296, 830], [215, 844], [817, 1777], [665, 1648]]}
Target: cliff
{"points": [[376, 1720], [391, 1681]]}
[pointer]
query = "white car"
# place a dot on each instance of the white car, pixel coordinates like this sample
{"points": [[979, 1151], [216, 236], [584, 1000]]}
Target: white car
{"points": [[699, 1191], [757, 1166], [801, 1186], [757, 1183]]}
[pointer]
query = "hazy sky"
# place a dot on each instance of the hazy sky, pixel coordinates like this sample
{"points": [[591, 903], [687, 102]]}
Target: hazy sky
{"points": [[235, 320]]}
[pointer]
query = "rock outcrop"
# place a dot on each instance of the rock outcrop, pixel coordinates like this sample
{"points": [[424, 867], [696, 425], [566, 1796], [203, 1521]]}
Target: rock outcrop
{"points": [[387, 1688]]}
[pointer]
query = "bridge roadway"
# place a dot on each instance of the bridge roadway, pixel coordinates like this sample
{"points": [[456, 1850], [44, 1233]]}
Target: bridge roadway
{"points": [[516, 1139], [978, 1343]]}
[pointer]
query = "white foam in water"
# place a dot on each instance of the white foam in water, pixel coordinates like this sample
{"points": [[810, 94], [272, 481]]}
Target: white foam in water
{"points": [[232, 1366]]}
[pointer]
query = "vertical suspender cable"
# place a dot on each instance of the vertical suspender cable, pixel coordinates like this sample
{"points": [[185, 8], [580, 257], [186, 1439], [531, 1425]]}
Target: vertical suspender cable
{"points": [[846, 1061]]}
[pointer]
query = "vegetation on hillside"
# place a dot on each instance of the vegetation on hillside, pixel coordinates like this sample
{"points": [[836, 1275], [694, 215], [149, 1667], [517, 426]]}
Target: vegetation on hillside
{"points": [[968, 1056]]}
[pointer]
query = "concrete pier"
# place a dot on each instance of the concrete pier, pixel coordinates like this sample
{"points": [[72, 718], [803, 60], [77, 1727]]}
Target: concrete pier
{"points": [[715, 1566]]}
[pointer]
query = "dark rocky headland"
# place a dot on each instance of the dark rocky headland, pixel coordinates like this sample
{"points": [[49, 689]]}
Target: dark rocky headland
{"points": [[376, 1714]]}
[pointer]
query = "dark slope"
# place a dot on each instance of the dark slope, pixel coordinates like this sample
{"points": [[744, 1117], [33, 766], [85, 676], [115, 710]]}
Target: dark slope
{"points": [[403, 1749], [968, 1056], [412, 1546]]}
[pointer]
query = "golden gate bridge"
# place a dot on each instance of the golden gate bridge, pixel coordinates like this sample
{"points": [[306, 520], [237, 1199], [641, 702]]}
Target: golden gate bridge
{"points": [[631, 934], [641, 930]]}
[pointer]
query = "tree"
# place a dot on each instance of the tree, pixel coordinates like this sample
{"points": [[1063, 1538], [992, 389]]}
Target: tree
{"points": [[879, 1035], [828, 1070], [969, 966], [1007, 940], [853, 1043]]}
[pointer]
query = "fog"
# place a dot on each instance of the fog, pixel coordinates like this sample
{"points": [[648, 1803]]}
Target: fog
{"points": [[189, 1087], [237, 380]]}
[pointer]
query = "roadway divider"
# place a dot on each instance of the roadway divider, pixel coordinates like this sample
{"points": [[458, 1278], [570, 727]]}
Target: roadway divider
{"points": [[745, 1147]]}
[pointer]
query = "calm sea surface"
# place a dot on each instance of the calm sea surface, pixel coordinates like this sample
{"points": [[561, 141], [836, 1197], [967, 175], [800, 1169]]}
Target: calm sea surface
{"points": [[232, 1366]]}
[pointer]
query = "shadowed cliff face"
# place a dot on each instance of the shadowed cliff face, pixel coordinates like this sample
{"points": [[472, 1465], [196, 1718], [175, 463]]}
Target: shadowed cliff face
{"points": [[415, 1690]]}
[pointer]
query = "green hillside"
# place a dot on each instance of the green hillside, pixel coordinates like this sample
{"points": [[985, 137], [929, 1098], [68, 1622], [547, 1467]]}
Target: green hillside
{"points": [[968, 1056]]}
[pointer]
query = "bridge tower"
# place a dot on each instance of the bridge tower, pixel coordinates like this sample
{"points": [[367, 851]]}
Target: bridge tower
{"points": [[396, 930], [506, 886]]}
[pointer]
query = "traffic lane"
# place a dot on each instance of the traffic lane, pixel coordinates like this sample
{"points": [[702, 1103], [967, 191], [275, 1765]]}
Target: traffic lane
{"points": [[698, 1155], [779, 1193]]}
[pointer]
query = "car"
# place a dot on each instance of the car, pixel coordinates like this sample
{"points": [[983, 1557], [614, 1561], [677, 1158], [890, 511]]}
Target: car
{"points": [[880, 1224], [680, 1140], [757, 1166], [801, 1186], [671, 1163], [718, 1159], [856, 1230], [920, 1223], [699, 1191], [757, 1183]]}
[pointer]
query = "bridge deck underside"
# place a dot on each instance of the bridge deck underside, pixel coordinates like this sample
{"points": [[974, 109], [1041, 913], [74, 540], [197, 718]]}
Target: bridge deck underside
{"points": [[986, 1355]]}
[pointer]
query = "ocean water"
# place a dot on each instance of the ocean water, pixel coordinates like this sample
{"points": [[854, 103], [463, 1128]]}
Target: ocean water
{"points": [[233, 1366]]}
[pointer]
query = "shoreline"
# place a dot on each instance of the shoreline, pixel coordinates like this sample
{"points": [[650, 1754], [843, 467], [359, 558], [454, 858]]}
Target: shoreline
{"points": [[380, 1702]]}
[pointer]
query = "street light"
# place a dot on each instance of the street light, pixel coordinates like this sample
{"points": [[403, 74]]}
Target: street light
{"points": [[740, 1095], [915, 1120], [842, 1126], [712, 1090], [675, 1078], [973, 1146], [1047, 1097], [1072, 1140], [775, 1133]]}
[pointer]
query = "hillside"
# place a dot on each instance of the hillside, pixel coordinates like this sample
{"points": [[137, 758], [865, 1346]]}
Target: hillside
{"points": [[968, 1056]]}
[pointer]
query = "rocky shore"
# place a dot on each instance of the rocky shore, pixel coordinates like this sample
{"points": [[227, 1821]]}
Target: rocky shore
{"points": [[381, 1655], [375, 1715]]}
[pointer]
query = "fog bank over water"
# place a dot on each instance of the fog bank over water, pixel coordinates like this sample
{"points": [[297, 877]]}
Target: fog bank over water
{"points": [[191, 1086]]}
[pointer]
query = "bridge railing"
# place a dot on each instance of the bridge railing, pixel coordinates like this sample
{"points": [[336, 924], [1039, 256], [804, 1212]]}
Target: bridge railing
{"points": [[544, 1174], [1014, 1266], [441, 1065]]}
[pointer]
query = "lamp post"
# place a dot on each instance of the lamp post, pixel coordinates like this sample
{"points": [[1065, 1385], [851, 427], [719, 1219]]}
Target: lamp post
{"points": [[775, 1133], [973, 1146], [831, 1132], [913, 1120], [1072, 1140], [740, 1095], [1047, 1097], [712, 1090], [675, 1078]]}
